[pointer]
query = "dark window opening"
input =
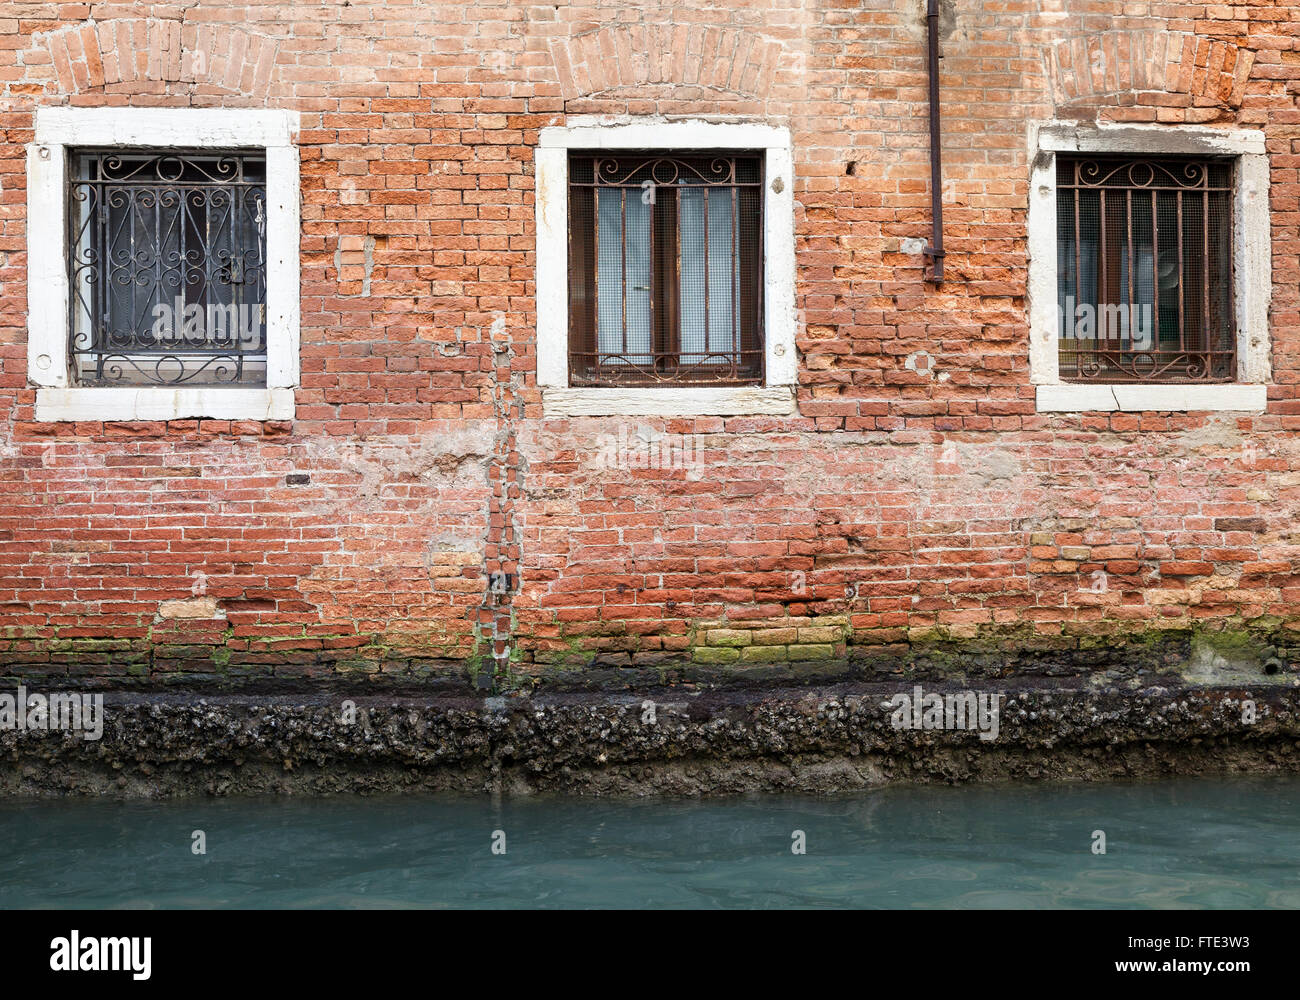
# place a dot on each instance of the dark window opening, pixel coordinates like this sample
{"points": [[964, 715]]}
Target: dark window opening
{"points": [[1144, 266], [665, 269], [167, 267]]}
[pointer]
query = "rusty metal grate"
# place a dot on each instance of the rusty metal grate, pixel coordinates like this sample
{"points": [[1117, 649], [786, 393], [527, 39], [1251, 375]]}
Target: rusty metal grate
{"points": [[665, 266], [167, 267], [1144, 264]]}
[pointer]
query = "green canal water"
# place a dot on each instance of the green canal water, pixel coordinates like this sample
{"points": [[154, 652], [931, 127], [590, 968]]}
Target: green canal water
{"points": [[1231, 842]]}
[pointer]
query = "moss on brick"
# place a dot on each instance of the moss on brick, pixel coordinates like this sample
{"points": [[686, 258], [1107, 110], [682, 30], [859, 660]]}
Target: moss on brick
{"points": [[715, 654], [761, 654], [825, 634], [728, 637], [812, 651], [776, 636]]}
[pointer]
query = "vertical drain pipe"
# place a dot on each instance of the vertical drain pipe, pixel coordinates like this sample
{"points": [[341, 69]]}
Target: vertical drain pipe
{"points": [[935, 248]]}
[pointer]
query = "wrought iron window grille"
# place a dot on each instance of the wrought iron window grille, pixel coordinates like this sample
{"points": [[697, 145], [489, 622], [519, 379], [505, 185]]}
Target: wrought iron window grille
{"points": [[665, 266], [167, 267], [1144, 265]]}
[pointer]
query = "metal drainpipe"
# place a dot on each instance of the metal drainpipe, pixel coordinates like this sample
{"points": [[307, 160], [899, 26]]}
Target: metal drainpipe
{"points": [[935, 248]]}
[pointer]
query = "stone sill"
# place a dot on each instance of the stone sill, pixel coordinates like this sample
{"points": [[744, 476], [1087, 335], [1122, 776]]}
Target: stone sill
{"points": [[1072, 398], [733, 401], [154, 403]]}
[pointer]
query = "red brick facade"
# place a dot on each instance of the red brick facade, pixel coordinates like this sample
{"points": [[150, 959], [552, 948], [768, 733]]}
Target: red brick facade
{"points": [[917, 496]]}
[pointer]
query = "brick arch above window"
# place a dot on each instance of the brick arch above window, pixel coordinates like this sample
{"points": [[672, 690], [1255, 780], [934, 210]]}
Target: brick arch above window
{"points": [[650, 57], [126, 53], [1212, 73]]}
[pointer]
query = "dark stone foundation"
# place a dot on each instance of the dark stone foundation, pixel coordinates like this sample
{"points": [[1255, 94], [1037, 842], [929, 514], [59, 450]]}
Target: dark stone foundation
{"points": [[700, 742]]}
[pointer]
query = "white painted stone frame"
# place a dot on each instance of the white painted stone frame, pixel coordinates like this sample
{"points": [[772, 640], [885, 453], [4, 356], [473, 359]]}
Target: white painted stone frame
{"points": [[776, 395], [57, 129], [1252, 266]]}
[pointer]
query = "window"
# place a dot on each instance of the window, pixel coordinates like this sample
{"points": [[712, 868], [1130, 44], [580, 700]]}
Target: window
{"points": [[1149, 268], [665, 269], [163, 264], [168, 268], [1144, 271]]}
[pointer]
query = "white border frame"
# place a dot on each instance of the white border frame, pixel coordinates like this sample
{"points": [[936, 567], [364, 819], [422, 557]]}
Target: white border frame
{"points": [[1252, 266], [58, 128], [551, 159]]}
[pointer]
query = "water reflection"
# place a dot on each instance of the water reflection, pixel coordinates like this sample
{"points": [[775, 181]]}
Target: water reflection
{"points": [[1212, 843]]}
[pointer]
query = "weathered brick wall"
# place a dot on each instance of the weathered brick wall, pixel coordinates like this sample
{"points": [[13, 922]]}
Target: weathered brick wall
{"points": [[917, 497]]}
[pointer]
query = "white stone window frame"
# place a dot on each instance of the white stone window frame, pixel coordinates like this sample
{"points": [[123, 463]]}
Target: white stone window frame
{"points": [[58, 129], [1252, 267], [551, 160]]}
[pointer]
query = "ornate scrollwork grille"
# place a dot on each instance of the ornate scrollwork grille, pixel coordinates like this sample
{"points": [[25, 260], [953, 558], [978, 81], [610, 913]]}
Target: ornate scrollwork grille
{"points": [[167, 267], [1144, 264], [666, 266]]}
